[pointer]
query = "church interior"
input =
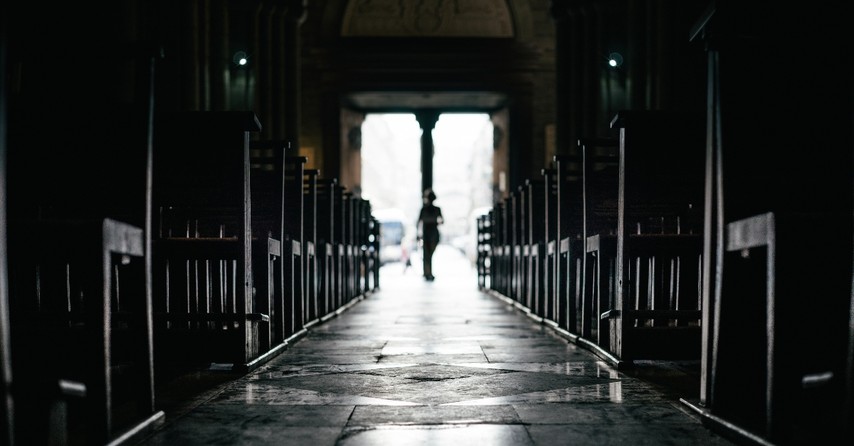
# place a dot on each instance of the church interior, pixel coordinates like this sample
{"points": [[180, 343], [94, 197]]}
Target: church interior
{"points": [[181, 194]]}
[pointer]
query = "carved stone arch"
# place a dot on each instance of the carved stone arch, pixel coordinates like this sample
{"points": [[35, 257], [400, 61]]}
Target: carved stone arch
{"points": [[334, 14]]}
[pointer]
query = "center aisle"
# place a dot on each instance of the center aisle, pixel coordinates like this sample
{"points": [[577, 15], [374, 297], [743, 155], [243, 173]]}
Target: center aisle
{"points": [[435, 363]]}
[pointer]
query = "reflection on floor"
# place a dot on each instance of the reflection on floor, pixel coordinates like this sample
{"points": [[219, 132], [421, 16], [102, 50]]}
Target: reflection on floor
{"points": [[423, 363]]}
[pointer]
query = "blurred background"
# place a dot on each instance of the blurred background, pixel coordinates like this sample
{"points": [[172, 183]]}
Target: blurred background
{"points": [[391, 179]]}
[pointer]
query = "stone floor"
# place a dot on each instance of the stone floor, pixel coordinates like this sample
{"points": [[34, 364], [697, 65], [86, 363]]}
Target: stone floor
{"points": [[436, 363]]}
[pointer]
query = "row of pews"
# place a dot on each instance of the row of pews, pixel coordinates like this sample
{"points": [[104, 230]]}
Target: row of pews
{"points": [[607, 247], [230, 251], [723, 241], [644, 248]]}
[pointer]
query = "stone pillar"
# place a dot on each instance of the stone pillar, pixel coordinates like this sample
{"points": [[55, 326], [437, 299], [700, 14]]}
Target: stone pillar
{"points": [[427, 120]]}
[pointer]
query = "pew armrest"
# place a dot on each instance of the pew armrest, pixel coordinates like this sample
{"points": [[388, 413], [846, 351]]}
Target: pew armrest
{"points": [[274, 247]]}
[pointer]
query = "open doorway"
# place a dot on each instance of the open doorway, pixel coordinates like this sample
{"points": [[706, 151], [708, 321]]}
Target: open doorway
{"points": [[462, 176]]}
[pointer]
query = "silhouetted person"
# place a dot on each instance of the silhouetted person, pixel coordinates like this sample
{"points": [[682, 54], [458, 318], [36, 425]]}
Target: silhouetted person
{"points": [[429, 220]]}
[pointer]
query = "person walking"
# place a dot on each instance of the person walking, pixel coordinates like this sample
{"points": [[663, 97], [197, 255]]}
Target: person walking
{"points": [[428, 223]]}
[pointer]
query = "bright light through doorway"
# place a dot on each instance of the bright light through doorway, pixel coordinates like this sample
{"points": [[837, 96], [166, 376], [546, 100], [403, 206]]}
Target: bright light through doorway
{"points": [[462, 171]]}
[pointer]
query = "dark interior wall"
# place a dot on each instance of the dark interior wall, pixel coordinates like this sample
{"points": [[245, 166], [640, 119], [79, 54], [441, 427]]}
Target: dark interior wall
{"points": [[661, 68], [199, 38], [78, 94]]}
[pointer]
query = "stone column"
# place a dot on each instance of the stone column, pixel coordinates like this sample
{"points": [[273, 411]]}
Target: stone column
{"points": [[427, 120]]}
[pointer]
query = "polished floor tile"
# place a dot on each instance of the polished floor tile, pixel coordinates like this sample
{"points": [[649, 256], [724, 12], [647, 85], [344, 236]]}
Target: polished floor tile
{"points": [[496, 435], [437, 363]]}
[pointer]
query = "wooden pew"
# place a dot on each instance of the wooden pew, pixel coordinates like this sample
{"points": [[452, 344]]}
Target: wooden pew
{"points": [[364, 228], [374, 253], [294, 253], [349, 245], [362, 219], [267, 181], [359, 246], [340, 297], [81, 315], [656, 308], [492, 249], [326, 244], [779, 227], [524, 243], [535, 217], [509, 239], [502, 244], [370, 226], [550, 255], [517, 231], [310, 224], [204, 310], [600, 192], [356, 243], [567, 243], [86, 226], [484, 260]]}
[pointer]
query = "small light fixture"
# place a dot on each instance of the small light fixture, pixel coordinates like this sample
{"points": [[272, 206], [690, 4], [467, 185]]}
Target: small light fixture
{"points": [[240, 58], [615, 60]]}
